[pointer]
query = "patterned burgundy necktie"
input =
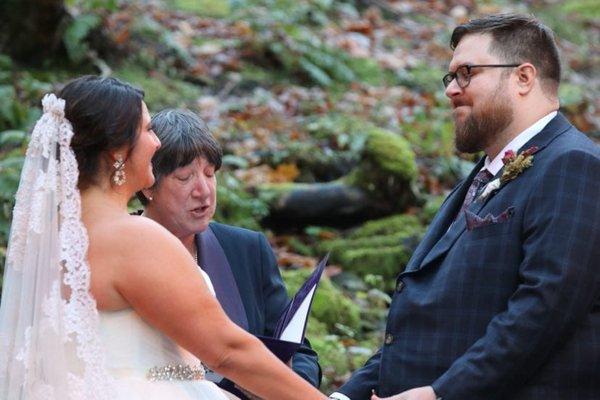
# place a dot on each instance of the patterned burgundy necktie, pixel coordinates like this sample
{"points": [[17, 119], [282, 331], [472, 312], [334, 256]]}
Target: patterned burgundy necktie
{"points": [[480, 180]]}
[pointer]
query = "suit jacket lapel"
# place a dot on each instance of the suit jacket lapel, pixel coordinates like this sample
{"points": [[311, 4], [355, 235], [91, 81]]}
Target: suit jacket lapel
{"points": [[440, 225], [555, 127], [215, 263]]}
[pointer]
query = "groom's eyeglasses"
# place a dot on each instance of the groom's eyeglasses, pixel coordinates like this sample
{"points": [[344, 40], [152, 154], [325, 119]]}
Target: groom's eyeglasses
{"points": [[463, 73]]}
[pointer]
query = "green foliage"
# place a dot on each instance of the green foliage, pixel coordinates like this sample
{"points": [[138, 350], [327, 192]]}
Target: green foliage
{"points": [[330, 306], [377, 248], [336, 326], [12, 145], [422, 77], [586, 9], [76, 33], [570, 95], [94, 5], [399, 223], [19, 92], [286, 34], [431, 133], [161, 91], [16, 111], [431, 207], [235, 205], [392, 153], [206, 8], [567, 20]]}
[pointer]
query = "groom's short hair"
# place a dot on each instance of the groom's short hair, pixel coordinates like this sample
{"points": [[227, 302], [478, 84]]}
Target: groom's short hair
{"points": [[518, 38]]}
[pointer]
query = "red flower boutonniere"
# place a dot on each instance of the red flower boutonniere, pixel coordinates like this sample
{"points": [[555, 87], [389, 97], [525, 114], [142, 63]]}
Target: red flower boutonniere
{"points": [[514, 164]]}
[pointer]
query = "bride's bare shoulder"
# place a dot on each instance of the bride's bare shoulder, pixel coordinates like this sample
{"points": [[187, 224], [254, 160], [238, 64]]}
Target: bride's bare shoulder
{"points": [[130, 235], [139, 228]]}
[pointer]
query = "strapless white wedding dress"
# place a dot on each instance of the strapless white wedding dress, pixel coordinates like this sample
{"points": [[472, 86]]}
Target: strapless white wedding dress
{"points": [[147, 365]]}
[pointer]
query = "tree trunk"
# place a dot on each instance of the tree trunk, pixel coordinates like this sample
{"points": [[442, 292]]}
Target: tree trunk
{"points": [[337, 204], [31, 30]]}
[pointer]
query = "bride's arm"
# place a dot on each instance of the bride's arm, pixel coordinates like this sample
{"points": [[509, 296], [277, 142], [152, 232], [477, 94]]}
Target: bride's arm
{"points": [[160, 280]]}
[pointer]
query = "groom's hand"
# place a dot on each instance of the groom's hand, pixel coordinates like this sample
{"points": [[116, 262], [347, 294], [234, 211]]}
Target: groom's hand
{"points": [[421, 393]]}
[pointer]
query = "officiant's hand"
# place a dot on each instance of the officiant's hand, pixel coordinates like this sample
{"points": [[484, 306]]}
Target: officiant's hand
{"points": [[421, 393]]}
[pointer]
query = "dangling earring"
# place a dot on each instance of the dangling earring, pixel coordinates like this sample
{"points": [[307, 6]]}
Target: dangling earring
{"points": [[119, 175]]}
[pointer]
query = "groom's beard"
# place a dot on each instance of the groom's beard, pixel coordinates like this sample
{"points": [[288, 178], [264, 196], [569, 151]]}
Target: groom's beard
{"points": [[485, 124]]}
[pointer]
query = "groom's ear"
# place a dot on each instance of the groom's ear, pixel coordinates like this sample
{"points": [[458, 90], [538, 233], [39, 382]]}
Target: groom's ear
{"points": [[526, 76]]}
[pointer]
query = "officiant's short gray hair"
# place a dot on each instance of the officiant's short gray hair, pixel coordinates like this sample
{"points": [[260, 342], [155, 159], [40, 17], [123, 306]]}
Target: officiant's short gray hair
{"points": [[184, 137]]}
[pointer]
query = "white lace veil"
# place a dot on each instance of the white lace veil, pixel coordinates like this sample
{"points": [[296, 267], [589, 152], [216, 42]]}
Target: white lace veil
{"points": [[49, 343]]}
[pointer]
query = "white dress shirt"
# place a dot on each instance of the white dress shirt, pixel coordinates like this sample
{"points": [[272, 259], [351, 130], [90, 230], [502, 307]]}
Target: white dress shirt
{"points": [[519, 141]]}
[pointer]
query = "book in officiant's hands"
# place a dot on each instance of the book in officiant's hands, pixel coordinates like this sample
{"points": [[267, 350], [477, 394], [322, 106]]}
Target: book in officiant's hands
{"points": [[290, 329]]}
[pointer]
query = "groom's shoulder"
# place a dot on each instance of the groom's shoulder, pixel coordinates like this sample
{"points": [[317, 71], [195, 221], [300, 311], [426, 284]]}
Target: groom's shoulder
{"points": [[573, 141]]}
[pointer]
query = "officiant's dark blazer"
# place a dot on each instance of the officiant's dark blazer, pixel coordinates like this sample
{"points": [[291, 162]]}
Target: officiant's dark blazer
{"points": [[261, 289], [507, 310]]}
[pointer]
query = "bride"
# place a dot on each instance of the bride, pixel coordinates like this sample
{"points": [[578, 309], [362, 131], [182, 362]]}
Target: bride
{"points": [[98, 304]]}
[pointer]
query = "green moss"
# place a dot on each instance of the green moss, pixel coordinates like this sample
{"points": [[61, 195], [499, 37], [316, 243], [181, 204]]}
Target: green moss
{"points": [[392, 153], [431, 207], [205, 8], [399, 223], [387, 169], [333, 357], [330, 305], [385, 261], [381, 247]]}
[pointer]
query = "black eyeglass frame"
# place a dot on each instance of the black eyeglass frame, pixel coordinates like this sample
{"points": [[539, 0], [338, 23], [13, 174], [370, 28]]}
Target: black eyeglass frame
{"points": [[449, 77]]}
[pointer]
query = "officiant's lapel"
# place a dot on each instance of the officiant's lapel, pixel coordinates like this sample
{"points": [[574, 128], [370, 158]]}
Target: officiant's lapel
{"points": [[215, 263], [445, 224]]}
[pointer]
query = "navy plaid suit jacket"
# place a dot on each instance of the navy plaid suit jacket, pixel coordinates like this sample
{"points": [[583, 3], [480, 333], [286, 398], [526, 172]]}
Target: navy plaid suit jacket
{"points": [[509, 310]]}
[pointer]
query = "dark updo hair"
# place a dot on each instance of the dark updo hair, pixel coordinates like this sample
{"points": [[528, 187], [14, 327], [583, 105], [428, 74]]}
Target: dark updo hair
{"points": [[105, 114]]}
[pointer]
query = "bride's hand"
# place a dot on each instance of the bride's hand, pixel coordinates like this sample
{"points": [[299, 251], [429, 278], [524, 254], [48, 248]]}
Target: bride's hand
{"points": [[421, 393]]}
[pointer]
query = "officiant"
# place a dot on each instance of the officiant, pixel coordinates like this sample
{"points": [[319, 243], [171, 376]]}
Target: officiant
{"points": [[240, 262]]}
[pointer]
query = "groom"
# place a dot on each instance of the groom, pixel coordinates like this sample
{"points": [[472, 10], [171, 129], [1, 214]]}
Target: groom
{"points": [[501, 299]]}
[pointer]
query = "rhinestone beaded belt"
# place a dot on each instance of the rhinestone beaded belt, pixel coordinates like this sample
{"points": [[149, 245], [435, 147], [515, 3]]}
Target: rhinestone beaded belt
{"points": [[177, 372]]}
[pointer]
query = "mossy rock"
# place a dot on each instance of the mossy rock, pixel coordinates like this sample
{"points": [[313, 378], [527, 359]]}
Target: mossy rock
{"points": [[392, 153], [387, 170], [330, 305], [381, 247], [393, 224], [386, 261]]}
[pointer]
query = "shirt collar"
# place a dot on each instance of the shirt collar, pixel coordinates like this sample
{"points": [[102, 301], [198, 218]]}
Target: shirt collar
{"points": [[496, 164]]}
